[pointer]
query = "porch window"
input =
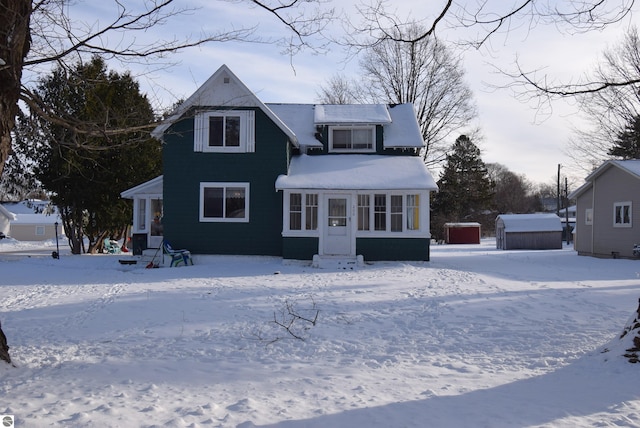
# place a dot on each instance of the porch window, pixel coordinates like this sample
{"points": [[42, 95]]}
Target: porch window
{"points": [[390, 213], [311, 211], [303, 213], [622, 214], [413, 212], [352, 139], [224, 202], [295, 211], [380, 212], [364, 208], [142, 214], [230, 131], [396, 213]]}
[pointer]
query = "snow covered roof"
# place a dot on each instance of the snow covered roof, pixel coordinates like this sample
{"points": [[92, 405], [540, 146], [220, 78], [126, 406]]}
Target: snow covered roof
{"points": [[401, 128], [36, 219], [151, 187], [299, 118], [531, 222], [630, 166], [335, 114], [403, 131], [359, 172]]}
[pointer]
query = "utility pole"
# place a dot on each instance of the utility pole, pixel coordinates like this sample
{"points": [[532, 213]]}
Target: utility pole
{"points": [[566, 208], [558, 193]]}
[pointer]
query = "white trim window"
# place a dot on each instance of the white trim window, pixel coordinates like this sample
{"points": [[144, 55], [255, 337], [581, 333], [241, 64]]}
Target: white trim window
{"points": [[40, 230], [391, 212], [350, 139], [231, 131], [224, 202], [622, 214], [303, 211]]}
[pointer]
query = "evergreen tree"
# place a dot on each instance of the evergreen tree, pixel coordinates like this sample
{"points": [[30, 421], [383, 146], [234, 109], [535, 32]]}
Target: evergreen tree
{"points": [[465, 189], [627, 144], [86, 173]]}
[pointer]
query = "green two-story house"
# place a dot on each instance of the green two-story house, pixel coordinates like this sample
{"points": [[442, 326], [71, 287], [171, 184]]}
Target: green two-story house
{"points": [[290, 180]]}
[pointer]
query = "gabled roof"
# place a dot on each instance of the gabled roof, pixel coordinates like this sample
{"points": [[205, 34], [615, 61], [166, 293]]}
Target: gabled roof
{"points": [[151, 187], [223, 88], [630, 166], [531, 222], [359, 172]]}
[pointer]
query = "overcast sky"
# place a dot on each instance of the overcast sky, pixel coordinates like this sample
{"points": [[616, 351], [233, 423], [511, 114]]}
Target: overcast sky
{"points": [[515, 134]]}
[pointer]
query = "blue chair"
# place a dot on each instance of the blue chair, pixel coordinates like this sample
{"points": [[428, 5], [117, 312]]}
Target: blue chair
{"points": [[111, 247], [177, 256]]}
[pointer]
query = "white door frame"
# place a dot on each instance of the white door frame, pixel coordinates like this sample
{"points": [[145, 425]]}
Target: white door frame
{"points": [[337, 237]]}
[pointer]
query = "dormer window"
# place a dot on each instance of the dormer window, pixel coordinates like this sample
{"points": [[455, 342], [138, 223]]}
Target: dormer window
{"points": [[352, 139]]}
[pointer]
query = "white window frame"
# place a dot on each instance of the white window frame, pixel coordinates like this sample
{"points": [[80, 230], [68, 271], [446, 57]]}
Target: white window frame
{"points": [[588, 216], [224, 186], [247, 131], [40, 230], [370, 128], [621, 206], [306, 208], [389, 216]]}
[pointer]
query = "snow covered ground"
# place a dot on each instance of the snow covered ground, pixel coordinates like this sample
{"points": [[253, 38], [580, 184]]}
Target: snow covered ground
{"points": [[477, 337]]}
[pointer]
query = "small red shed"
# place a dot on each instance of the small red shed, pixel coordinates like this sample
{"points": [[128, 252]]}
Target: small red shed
{"points": [[462, 233]]}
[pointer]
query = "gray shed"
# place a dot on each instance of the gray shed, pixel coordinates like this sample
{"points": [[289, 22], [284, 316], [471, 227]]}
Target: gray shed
{"points": [[528, 232]]}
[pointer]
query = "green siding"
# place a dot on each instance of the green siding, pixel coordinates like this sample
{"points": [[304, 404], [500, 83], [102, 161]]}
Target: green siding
{"points": [[303, 248], [373, 249], [184, 170]]}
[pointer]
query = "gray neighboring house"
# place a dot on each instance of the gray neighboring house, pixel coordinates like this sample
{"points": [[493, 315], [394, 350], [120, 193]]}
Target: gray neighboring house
{"points": [[608, 205], [30, 221], [528, 232]]}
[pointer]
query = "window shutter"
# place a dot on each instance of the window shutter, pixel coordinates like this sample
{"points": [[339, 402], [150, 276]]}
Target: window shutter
{"points": [[199, 131], [250, 131]]}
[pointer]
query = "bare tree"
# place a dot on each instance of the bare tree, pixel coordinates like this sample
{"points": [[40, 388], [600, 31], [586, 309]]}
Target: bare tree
{"points": [[36, 34], [610, 110], [424, 72], [512, 192], [339, 89], [478, 22]]}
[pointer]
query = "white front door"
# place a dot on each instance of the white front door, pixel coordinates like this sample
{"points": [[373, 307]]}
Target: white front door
{"points": [[337, 234]]}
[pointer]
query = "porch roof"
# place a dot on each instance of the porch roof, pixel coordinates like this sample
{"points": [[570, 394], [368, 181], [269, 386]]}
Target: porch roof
{"points": [[357, 172], [151, 187]]}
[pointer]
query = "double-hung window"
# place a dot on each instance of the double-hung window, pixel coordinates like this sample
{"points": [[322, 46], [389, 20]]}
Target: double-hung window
{"points": [[231, 131], [352, 138], [622, 216], [224, 202]]}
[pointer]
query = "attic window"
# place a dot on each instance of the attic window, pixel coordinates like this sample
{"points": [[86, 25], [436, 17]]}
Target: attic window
{"points": [[226, 80], [231, 131]]}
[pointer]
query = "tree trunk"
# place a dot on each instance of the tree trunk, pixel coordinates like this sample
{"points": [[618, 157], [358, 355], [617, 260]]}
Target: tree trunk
{"points": [[15, 41], [4, 348]]}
